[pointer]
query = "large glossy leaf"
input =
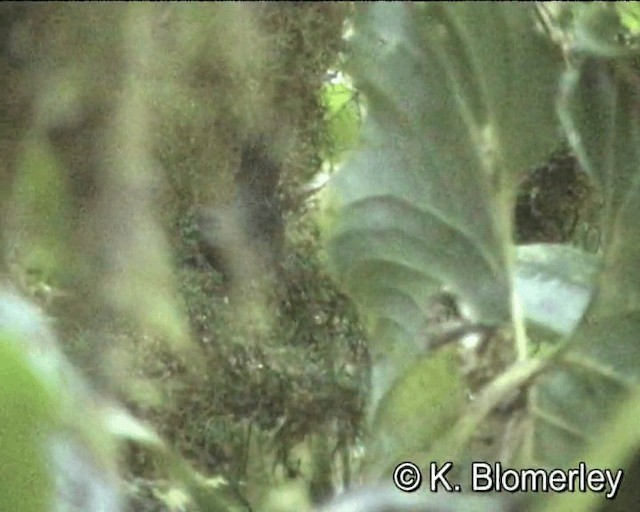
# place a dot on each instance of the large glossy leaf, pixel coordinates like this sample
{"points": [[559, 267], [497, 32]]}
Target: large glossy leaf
{"points": [[426, 201], [600, 109]]}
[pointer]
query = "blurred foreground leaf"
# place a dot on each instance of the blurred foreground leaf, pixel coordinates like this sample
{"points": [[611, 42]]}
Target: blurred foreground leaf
{"points": [[26, 411]]}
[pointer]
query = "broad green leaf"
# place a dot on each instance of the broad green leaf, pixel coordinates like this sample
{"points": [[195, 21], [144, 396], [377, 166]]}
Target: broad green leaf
{"points": [[600, 110], [342, 119], [596, 109], [426, 202], [569, 404], [613, 451], [421, 405], [555, 284]]}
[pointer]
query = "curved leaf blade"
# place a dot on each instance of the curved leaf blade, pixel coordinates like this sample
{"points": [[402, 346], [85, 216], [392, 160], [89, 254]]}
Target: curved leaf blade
{"points": [[425, 203], [600, 110]]}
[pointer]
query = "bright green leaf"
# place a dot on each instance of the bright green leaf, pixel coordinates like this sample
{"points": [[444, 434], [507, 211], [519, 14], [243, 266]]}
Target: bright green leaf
{"points": [[629, 13], [418, 409], [27, 419], [342, 119]]}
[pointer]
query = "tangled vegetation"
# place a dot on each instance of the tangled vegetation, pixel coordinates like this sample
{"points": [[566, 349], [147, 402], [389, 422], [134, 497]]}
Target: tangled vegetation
{"points": [[125, 125]]}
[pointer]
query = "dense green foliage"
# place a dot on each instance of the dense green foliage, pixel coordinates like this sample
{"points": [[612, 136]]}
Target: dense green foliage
{"points": [[462, 101]]}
